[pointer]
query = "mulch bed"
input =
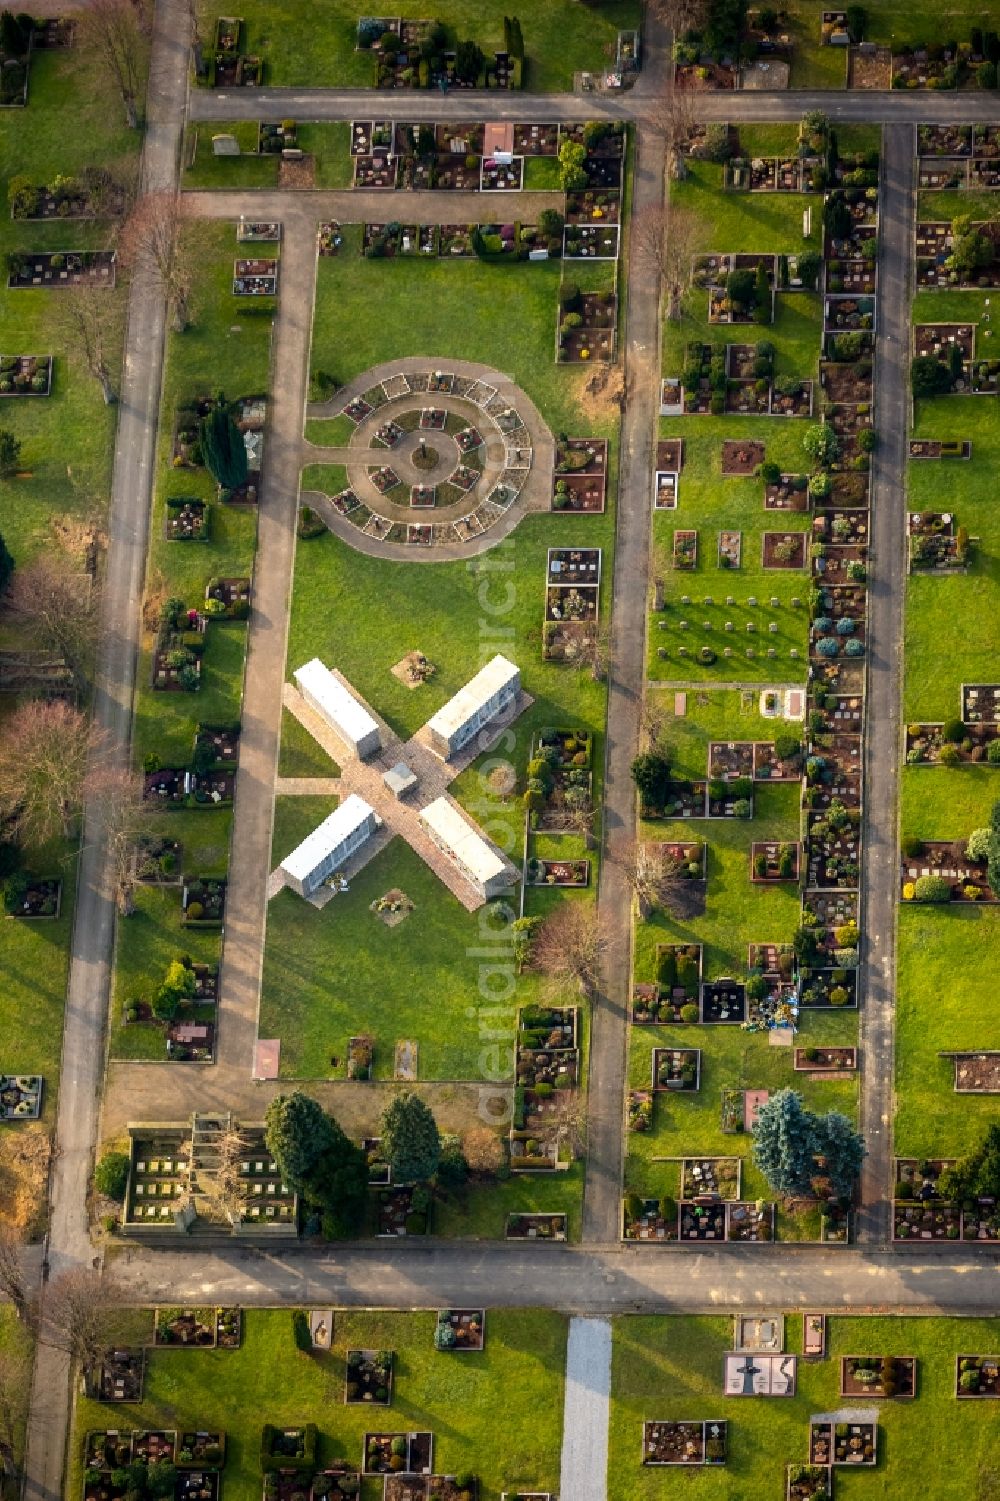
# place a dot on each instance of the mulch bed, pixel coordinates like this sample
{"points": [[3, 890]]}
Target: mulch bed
{"points": [[741, 458]]}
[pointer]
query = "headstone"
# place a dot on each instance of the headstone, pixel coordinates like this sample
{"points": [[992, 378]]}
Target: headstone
{"points": [[225, 145]]}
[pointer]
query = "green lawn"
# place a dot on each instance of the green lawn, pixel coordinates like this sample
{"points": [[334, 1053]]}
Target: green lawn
{"points": [[481, 1209], [328, 143], [950, 622], [330, 974], [672, 1368], [16, 1348], [769, 223], [457, 1397], [305, 48], [67, 437]]}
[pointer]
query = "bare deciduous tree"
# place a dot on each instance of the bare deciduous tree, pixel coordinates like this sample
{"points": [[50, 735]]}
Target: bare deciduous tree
{"points": [[79, 1313], [12, 1282], [578, 818], [224, 1191], [15, 1385], [117, 794], [564, 1122], [47, 748], [652, 720], [86, 315], [680, 15], [57, 604], [594, 652], [669, 247], [151, 245], [672, 116], [655, 876], [568, 947], [113, 32]]}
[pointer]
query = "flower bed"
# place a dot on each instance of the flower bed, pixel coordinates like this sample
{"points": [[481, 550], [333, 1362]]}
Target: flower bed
{"points": [[750, 1223], [187, 1328], [416, 1450], [728, 759], [804, 1482], [204, 902], [770, 861], [783, 550], [878, 1376], [941, 869], [404, 1210], [155, 1446], [228, 1327], [20, 1097], [187, 520], [368, 1377], [640, 1110], [702, 1222], [55, 269], [730, 549], [557, 872], [713, 1178], [32, 897], [201, 1449], [685, 551], [741, 457]]}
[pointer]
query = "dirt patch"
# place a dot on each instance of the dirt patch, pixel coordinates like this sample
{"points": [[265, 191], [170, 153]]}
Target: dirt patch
{"points": [[741, 457], [300, 174], [413, 670], [24, 1170], [600, 392], [870, 69]]}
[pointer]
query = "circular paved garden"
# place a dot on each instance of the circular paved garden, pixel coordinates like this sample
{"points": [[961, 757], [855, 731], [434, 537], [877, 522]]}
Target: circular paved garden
{"points": [[443, 460]]}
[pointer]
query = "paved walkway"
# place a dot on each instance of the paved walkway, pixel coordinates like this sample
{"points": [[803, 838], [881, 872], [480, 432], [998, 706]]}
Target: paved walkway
{"points": [[586, 1411], [638, 104], [590, 1281], [69, 1244], [602, 1200], [883, 748], [307, 787], [366, 207]]}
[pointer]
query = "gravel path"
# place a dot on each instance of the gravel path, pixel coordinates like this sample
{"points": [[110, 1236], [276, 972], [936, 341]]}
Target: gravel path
{"points": [[584, 1474]]}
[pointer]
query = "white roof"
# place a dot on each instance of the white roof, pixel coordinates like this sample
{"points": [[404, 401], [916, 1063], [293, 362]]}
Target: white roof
{"points": [[479, 858], [468, 700], [340, 824], [338, 701]]}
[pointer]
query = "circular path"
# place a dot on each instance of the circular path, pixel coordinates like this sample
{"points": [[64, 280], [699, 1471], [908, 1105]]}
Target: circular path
{"points": [[508, 474]]}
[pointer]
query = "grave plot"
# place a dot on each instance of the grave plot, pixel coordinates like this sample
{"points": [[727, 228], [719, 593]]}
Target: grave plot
{"points": [[833, 564], [977, 1376], [770, 766], [533, 1226], [683, 799], [840, 712], [685, 551], [501, 177], [730, 799], [981, 703], [20, 1097], [821, 988], [944, 140], [928, 1221], [385, 479], [746, 1223], [806, 1482], [639, 1112], [107, 1449], [95, 194], [203, 902], [985, 142], [817, 1060], [664, 490], [264, 231], [187, 520], [591, 241], [121, 1375], [748, 398], [566, 784], [813, 1336], [771, 861], [589, 207], [376, 171], [680, 1443], [536, 139], [878, 1376], [710, 1179], [941, 871], [723, 1002], [952, 343], [155, 1446], [217, 788], [232, 594], [677, 1069], [934, 544], [833, 848], [834, 774], [404, 1209], [416, 1450], [460, 1329], [25, 374], [257, 277], [587, 325], [759, 1334], [547, 1059], [455, 240], [984, 176], [729, 759], [790, 397], [61, 268], [388, 435], [673, 397], [976, 1073], [368, 1377], [846, 314], [783, 550], [790, 492], [729, 549], [942, 174], [747, 1374], [825, 912], [777, 959], [31, 897], [702, 1222], [557, 872], [649, 1219], [771, 1006], [678, 980], [184, 1328]]}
